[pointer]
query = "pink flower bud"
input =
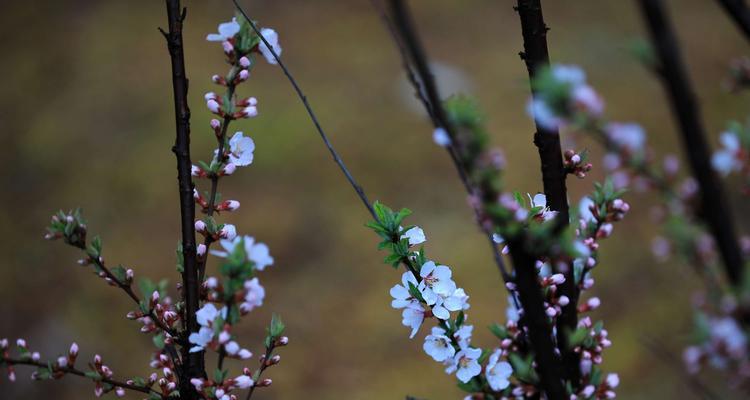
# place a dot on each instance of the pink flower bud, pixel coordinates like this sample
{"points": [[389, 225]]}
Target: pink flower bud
{"points": [[11, 375], [62, 362], [250, 111], [201, 250], [229, 169], [228, 49], [244, 62], [35, 356], [576, 159], [593, 302], [155, 296], [265, 382], [244, 354], [243, 75], [243, 382], [21, 343], [557, 279], [3, 344], [215, 124], [551, 312], [73, 349], [283, 341], [129, 274], [200, 226], [210, 96], [563, 301], [274, 360], [219, 393], [231, 205], [119, 392], [197, 383], [213, 106]]}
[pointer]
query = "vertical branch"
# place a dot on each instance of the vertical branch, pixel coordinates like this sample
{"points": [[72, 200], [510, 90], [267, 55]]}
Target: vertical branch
{"points": [[536, 56], [714, 208], [740, 14], [540, 331], [193, 363], [419, 92]]}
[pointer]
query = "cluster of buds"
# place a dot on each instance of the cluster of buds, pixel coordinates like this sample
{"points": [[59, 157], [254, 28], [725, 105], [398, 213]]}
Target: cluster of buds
{"points": [[575, 163], [70, 227], [210, 389], [210, 229]]}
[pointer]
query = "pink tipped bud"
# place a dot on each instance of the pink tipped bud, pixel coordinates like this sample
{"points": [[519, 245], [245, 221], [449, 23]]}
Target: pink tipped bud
{"points": [[593, 303], [243, 75], [250, 112], [230, 205], [129, 275], [215, 124], [229, 169], [11, 375], [155, 296], [244, 62], [563, 301], [283, 341], [21, 343], [200, 226], [210, 96], [575, 159], [62, 362], [550, 311], [97, 360], [213, 106], [557, 279], [152, 378], [274, 360], [35, 356], [244, 354], [243, 382], [219, 393], [73, 350], [3, 344], [201, 250], [265, 382], [228, 49], [197, 383], [119, 392]]}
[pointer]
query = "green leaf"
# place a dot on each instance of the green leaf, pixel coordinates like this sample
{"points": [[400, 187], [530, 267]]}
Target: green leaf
{"points": [[93, 375], [119, 272], [277, 326], [159, 340], [180, 258], [499, 331]]}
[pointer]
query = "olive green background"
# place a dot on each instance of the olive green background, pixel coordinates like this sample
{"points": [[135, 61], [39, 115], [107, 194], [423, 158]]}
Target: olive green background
{"points": [[86, 120]]}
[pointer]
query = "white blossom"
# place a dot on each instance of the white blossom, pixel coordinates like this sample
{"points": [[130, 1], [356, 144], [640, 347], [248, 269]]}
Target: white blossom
{"points": [[273, 39], [254, 296], [629, 136], [415, 236], [438, 346], [413, 315], [200, 339], [227, 30], [437, 278], [498, 372], [465, 364], [241, 150], [243, 382], [258, 253], [725, 160], [400, 293], [440, 137]]}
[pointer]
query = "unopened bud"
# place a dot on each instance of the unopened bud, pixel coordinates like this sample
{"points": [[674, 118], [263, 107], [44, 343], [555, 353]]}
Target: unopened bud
{"points": [[244, 62]]}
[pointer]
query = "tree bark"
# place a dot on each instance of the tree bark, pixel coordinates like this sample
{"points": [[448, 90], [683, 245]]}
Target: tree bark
{"points": [[192, 363]]}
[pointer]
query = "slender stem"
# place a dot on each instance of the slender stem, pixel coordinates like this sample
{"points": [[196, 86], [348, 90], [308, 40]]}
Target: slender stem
{"points": [[263, 365], [536, 56], [311, 113], [193, 363], [429, 108], [740, 14], [540, 332], [714, 208], [74, 371]]}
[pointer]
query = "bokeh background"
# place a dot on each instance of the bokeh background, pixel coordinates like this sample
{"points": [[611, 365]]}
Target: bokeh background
{"points": [[86, 120]]}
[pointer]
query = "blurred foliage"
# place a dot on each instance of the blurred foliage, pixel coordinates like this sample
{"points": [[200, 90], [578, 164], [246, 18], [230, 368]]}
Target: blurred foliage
{"points": [[86, 120]]}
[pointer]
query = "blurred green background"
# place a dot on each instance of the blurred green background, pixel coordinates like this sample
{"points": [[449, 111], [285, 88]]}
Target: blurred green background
{"points": [[86, 120]]}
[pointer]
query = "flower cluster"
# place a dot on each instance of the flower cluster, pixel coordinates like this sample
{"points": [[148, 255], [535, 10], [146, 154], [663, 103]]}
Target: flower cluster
{"points": [[575, 163], [734, 154], [236, 290]]}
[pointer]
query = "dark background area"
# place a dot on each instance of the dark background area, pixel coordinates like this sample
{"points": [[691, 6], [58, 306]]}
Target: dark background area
{"points": [[86, 120]]}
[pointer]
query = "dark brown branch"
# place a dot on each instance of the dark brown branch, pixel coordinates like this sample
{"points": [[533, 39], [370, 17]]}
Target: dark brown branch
{"points": [[357, 188], [74, 371], [540, 331], [193, 363], [429, 108], [740, 14], [714, 208], [547, 141]]}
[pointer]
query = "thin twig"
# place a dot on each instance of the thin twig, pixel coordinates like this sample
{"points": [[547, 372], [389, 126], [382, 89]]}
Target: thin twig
{"points": [[193, 363], [740, 14], [661, 353], [429, 108], [714, 207], [308, 108], [536, 56], [74, 371]]}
